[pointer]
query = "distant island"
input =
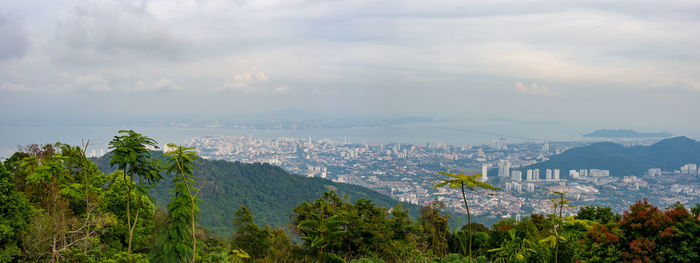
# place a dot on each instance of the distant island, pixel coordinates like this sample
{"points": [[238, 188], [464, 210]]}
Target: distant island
{"points": [[608, 133]]}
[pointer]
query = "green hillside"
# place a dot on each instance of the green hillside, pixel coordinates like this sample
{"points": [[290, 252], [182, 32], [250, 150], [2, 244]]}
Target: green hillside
{"points": [[268, 191], [667, 154]]}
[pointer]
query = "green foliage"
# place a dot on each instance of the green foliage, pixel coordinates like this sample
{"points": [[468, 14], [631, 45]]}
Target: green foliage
{"points": [[116, 235], [599, 214], [513, 249], [249, 236], [179, 239], [334, 225], [320, 230], [15, 214], [131, 155], [367, 260], [435, 228]]}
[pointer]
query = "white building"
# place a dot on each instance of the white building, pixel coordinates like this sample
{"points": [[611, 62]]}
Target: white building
{"points": [[574, 174], [503, 168], [530, 187], [599, 173], [516, 176], [556, 175], [484, 172], [654, 172], [548, 174]]}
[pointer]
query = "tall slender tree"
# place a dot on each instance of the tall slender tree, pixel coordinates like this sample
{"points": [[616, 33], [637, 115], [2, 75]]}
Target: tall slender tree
{"points": [[556, 236], [130, 154], [469, 182], [181, 165]]}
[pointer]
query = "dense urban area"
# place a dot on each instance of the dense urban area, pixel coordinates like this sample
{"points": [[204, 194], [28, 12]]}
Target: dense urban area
{"points": [[407, 172]]}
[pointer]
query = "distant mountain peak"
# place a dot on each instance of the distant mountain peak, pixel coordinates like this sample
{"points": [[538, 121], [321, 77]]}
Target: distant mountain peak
{"points": [[679, 139], [623, 133]]}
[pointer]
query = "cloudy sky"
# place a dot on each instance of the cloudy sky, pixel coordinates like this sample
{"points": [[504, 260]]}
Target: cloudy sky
{"points": [[606, 63]]}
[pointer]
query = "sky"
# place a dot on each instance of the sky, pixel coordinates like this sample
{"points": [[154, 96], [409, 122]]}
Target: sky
{"points": [[607, 64]]}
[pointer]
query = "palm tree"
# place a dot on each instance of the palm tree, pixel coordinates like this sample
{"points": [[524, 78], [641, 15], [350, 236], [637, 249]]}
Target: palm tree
{"points": [[463, 181], [131, 155]]}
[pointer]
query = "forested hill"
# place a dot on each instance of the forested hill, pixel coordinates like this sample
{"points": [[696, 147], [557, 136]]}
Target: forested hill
{"points": [[268, 191], [667, 154]]}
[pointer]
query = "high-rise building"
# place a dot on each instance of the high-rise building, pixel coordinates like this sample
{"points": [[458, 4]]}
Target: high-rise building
{"points": [[484, 172], [516, 176], [530, 187], [654, 172], [583, 173], [503, 168], [548, 174], [514, 187], [599, 173], [556, 175], [574, 174], [529, 175], [536, 174]]}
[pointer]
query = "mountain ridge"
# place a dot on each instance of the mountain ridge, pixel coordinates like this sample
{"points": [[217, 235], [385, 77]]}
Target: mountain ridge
{"points": [[667, 154], [623, 133]]}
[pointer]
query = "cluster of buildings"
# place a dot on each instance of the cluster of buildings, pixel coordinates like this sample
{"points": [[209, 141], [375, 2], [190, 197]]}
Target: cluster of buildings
{"points": [[690, 168], [686, 169], [407, 172], [584, 173]]}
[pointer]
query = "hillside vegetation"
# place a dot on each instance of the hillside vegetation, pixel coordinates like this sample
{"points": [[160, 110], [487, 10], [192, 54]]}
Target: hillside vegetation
{"points": [[268, 191]]}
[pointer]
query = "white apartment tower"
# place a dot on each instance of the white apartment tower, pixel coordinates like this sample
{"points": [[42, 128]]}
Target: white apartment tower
{"points": [[516, 176], [503, 168]]}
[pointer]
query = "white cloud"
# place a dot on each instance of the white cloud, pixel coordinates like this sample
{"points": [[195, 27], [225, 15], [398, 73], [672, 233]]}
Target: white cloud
{"points": [[161, 86], [534, 89], [93, 83], [282, 90], [166, 85], [13, 87], [245, 83]]}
